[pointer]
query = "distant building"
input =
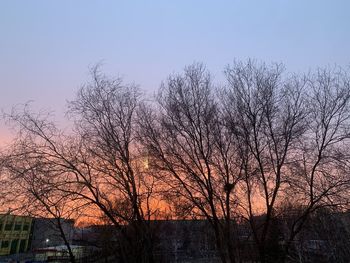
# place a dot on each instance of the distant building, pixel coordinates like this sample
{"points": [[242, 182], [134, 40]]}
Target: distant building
{"points": [[47, 234], [184, 240], [15, 234], [20, 234], [59, 253]]}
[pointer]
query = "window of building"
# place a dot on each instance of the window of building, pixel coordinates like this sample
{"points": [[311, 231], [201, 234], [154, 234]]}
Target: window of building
{"points": [[22, 246], [14, 245], [18, 226], [4, 244], [8, 226]]}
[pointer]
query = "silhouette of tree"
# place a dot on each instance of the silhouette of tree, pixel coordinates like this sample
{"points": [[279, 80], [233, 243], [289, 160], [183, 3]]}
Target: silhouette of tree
{"points": [[193, 152], [99, 163]]}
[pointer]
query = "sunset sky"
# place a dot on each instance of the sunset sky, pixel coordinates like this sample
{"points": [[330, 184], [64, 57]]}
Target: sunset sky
{"points": [[46, 47]]}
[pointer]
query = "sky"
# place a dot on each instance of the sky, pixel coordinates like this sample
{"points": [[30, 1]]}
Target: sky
{"points": [[47, 47]]}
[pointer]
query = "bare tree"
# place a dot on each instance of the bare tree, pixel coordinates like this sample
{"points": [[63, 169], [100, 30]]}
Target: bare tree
{"points": [[292, 133], [321, 164], [266, 115], [99, 163], [31, 186], [193, 152]]}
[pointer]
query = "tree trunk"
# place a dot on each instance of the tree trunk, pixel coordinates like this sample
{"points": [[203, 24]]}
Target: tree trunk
{"points": [[63, 235]]}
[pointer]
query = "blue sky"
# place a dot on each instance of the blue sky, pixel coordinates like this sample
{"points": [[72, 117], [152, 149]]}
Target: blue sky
{"points": [[46, 47]]}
